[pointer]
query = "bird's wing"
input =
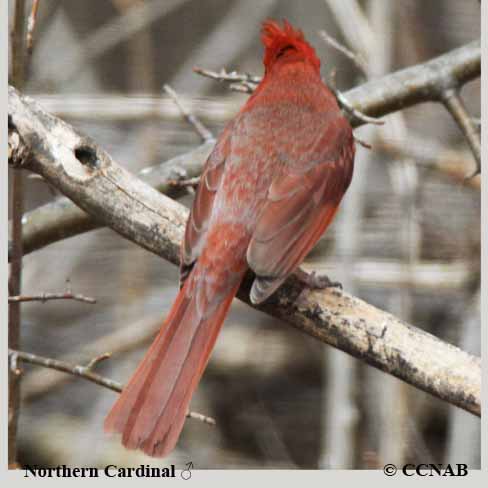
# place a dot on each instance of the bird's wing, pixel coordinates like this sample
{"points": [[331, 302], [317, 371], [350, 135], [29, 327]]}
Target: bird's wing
{"points": [[197, 224], [300, 204]]}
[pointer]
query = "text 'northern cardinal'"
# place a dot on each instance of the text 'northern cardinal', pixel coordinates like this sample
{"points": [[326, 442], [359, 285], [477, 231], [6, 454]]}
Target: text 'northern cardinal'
{"points": [[268, 191]]}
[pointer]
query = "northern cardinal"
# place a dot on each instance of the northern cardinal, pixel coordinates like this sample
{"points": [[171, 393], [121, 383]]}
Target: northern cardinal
{"points": [[268, 191]]}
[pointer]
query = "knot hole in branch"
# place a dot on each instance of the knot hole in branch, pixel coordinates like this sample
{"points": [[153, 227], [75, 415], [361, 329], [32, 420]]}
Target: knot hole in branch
{"points": [[87, 156]]}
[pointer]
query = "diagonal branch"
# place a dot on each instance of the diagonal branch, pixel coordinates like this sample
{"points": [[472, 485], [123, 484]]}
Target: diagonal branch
{"points": [[62, 219], [356, 58], [197, 125], [455, 106], [426, 82], [85, 173], [84, 372]]}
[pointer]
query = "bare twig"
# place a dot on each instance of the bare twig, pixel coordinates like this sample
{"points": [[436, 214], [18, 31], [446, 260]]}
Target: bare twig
{"points": [[202, 418], [426, 276], [44, 297], [156, 223], [98, 359], [190, 182], [357, 59], [31, 25], [14, 365], [454, 104], [354, 24], [85, 373], [247, 83], [240, 82], [200, 129], [233, 76], [120, 341], [410, 86], [363, 143], [80, 371], [242, 87]]}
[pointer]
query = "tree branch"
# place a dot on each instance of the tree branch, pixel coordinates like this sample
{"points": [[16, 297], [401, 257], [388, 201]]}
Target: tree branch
{"points": [[62, 219], [424, 82], [85, 173], [15, 277], [455, 106], [197, 125], [356, 58], [122, 340], [45, 297], [84, 372]]}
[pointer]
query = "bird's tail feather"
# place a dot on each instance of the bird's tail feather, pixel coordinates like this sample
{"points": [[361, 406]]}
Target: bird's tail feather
{"points": [[151, 409]]}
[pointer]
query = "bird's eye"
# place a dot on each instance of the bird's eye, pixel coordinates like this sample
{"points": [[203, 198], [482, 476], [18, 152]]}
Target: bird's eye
{"points": [[283, 50]]}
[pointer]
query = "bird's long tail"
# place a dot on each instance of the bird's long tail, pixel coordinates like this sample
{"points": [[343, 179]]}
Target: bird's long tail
{"points": [[151, 410]]}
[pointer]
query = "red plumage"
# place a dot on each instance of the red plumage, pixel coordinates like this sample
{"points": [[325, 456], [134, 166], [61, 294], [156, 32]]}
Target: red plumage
{"points": [[268, 191]]}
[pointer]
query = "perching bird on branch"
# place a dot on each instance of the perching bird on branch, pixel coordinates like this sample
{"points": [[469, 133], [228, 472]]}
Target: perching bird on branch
{"points": [[269, 190]]}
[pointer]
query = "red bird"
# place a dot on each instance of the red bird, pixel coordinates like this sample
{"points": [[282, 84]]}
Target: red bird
{"points": [[268, 191]]}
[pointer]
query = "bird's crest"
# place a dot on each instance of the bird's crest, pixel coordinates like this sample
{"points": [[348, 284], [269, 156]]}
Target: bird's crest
{"points": [[277, 40]]}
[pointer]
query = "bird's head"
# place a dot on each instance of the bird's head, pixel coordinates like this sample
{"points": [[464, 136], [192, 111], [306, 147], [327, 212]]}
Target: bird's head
{"points": [[285, 44]]}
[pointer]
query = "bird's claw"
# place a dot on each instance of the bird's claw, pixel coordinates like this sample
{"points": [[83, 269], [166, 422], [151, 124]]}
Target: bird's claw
{"points": [[316, 281], [320, 282]]}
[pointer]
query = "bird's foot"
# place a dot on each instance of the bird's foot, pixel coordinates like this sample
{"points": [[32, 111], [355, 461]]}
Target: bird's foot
{"points": [[315, 281]]}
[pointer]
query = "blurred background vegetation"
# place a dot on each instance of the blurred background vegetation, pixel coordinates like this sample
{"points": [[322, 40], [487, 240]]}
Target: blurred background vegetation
{"points": [[406, 240]]}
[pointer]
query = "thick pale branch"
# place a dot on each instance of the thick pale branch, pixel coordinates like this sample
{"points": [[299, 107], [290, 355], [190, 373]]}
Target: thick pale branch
{"points": [[426, 82], [62, 219], [87, 174], [421, 83], [380, 339]]}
